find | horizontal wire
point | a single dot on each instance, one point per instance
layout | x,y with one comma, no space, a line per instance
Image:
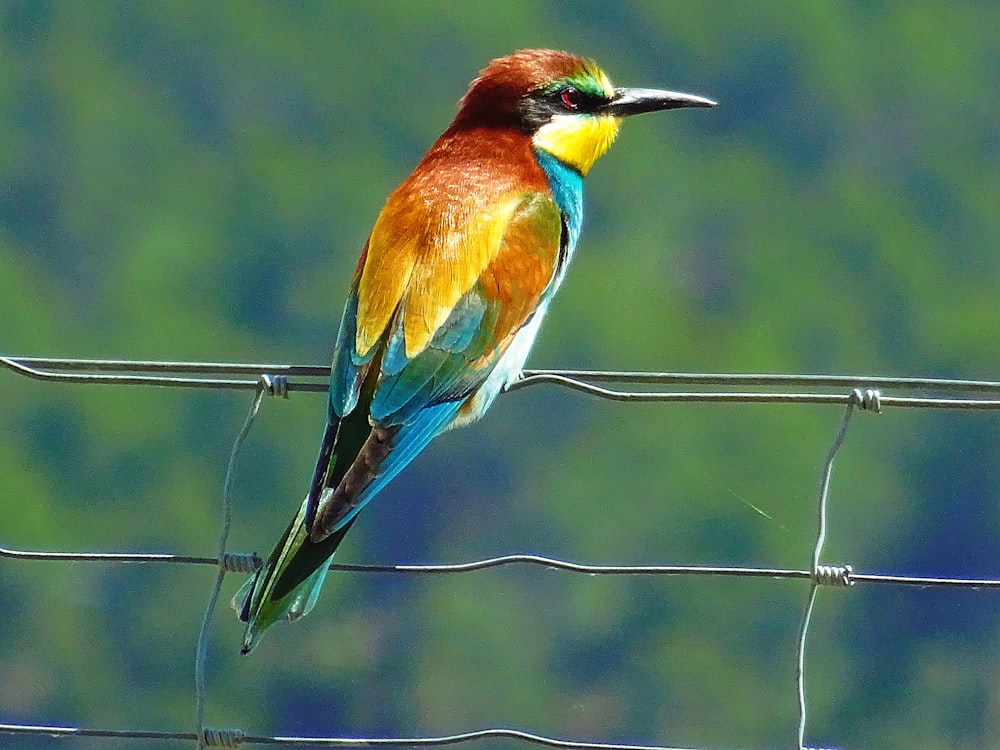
132,734
136,372
149,365
841,399
119,557
571,567
970,583
236,738
518,559
619,376
761,379
29,367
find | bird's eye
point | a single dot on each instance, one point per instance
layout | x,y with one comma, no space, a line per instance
571,97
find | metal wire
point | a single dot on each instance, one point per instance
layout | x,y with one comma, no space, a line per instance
205,739
518,559
234,738
208,375
866,401
865,394
213,737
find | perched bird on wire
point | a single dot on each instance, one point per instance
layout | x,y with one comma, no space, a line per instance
449,293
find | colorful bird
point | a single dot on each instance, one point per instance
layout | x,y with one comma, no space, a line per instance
449,293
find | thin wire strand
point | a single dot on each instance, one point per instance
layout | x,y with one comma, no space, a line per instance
619,376
111,557
288,741
87,377
824,491
505,560
137,372
767,379
579,382
201,689
62,731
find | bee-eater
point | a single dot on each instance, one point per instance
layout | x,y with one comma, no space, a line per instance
449,293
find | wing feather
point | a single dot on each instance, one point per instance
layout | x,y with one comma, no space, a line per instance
462,292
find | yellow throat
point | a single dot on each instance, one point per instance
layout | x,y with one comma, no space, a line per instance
577,140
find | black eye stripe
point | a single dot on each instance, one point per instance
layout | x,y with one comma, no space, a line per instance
539,107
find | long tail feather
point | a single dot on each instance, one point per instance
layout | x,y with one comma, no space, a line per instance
288,583
355,461
322,469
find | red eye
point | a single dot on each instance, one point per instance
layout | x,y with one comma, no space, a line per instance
571,97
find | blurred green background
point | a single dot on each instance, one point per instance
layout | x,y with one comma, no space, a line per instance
189,180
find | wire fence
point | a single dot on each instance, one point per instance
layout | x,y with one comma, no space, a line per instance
853,392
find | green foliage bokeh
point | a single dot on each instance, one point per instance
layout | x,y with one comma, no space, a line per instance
195,180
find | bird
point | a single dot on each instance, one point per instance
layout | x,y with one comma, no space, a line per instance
448,295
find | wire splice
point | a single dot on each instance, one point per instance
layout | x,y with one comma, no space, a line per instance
833,575
241,562
216,737
274,385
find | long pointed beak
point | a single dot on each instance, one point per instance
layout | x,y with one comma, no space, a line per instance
636,101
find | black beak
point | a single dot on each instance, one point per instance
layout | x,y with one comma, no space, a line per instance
636,101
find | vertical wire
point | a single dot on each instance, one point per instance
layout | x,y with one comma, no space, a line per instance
824,492
227,518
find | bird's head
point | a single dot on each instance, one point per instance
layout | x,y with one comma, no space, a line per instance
564,103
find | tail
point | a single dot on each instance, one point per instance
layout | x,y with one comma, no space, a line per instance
356,460
288,584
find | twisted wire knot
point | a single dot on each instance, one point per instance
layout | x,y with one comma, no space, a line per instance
833,575
274,385
869,399
241,562
211,737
